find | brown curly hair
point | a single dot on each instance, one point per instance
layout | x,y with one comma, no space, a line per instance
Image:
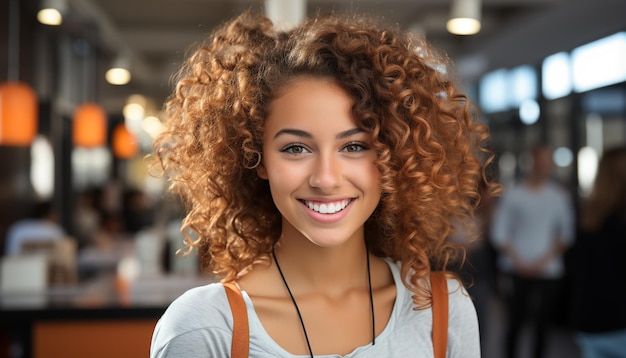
431,153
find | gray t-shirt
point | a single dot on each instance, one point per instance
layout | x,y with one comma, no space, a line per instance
199,324
531,220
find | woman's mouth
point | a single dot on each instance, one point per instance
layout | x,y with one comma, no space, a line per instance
332,207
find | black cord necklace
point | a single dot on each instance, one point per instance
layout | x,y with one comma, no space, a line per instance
369,283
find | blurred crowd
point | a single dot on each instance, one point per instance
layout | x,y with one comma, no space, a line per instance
553,259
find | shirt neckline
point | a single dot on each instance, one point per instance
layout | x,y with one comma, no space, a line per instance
274,347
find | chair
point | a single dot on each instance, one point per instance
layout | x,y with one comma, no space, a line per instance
61,259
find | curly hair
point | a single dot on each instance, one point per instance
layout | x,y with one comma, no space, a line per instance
431,153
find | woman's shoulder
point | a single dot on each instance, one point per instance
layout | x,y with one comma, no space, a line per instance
455,286
459,300
458,297
199,315
414,325
211,289
198,308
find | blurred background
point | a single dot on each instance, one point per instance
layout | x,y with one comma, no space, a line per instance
82,89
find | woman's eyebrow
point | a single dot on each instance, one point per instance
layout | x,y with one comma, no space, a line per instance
296,132
349,133
301,133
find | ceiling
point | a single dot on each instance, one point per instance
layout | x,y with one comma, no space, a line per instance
156,33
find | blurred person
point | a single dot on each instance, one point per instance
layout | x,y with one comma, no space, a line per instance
598,312
533,226
87,218
138,210
111,231
40,226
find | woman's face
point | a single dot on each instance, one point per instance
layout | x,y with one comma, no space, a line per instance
319,164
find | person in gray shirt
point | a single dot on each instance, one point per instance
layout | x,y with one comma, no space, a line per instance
532,228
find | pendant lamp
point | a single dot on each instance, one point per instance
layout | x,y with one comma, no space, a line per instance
119,73
464,17
18,114
18,101
124,142
51,12
89,129
285,14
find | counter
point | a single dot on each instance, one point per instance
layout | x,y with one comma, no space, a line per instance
100,318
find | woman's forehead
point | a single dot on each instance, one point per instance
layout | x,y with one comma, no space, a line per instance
308,103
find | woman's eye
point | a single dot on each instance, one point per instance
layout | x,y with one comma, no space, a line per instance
294,149
354,147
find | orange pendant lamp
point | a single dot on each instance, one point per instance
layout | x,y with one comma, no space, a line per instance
89,127
124,142
18,101
18,114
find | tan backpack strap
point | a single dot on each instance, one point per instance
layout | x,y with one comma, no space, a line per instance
241,333
439,287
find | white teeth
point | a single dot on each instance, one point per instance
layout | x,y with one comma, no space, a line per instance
330,208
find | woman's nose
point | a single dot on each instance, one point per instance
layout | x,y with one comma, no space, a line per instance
326,173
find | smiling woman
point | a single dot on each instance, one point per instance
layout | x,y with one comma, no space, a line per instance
321,167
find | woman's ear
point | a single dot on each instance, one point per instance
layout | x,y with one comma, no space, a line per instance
261,171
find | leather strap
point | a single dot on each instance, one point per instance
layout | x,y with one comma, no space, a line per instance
240,345
439,287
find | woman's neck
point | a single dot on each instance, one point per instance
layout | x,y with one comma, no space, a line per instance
312,268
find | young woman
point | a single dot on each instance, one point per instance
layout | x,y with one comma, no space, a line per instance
321,168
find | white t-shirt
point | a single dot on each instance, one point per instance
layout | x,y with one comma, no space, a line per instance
199,324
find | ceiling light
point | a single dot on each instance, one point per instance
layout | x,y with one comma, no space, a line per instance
285,13
51,12
119,73
118,76
152,125
464,17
